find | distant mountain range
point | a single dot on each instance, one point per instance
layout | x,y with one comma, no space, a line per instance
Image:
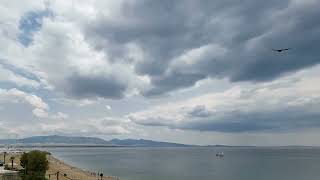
54,140
71,140
143,142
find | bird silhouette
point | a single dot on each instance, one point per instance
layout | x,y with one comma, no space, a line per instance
281,50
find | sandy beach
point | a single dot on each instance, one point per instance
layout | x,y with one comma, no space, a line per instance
66,171
56,165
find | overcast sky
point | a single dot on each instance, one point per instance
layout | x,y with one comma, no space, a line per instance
198,72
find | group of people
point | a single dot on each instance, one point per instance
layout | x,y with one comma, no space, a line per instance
96,174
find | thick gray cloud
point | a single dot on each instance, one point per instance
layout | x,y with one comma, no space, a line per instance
95,86
169,83
246,30
278,120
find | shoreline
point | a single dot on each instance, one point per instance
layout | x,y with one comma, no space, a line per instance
66,171
57,165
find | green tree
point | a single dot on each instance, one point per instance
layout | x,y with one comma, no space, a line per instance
24,161
35,164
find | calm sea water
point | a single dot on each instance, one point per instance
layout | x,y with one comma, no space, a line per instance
197,163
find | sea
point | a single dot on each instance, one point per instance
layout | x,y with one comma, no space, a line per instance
196,163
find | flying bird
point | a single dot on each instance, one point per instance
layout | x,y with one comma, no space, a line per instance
281,50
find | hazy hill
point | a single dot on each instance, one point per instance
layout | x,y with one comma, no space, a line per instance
71,140
143,142
62,139
54,140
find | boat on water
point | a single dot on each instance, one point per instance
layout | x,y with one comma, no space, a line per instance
220,154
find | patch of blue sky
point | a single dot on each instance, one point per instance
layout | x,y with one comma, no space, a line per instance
29,23
20,71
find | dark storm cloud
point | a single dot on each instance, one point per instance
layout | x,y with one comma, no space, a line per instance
172,82
92,86
248,30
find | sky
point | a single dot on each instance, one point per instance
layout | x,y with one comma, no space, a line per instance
195,72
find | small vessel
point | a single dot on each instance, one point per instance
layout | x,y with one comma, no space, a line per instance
220,154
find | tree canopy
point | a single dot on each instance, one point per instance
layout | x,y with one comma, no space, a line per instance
35,164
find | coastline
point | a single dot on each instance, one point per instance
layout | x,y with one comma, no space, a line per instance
57,165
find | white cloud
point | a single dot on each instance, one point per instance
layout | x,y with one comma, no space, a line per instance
244,108
108,107
75,102
60,116
89,127
15,96
40,113
41,108
36,102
